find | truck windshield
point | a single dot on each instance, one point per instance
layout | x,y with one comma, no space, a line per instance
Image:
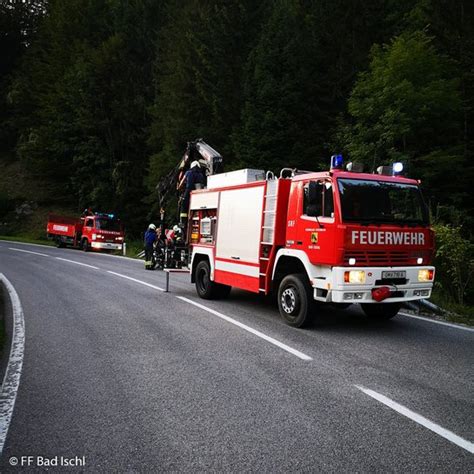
108,224
381,202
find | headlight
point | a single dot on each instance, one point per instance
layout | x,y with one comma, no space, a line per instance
94,236
354,276
119,238
425,275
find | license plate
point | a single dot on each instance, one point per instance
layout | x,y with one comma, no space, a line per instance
401,274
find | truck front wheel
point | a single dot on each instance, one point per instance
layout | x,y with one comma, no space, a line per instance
295,300
205,287
381,311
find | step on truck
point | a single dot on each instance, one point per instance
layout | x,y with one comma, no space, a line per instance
95,231
337,237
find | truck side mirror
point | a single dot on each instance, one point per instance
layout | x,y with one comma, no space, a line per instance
313,199
314,192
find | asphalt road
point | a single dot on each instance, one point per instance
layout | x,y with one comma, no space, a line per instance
135,379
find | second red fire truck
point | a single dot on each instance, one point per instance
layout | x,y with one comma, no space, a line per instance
94,231
336,237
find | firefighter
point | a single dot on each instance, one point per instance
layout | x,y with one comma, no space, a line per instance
150,239
192,179
87,212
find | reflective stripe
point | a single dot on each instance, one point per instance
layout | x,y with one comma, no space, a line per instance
235,267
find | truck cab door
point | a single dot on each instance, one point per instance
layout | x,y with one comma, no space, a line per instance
88,227
316,227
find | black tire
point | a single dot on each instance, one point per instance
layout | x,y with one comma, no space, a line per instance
85,245
59,243
381,311
295,300
222,291
205,287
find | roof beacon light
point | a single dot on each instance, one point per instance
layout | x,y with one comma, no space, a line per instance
397,168
355,167
337,162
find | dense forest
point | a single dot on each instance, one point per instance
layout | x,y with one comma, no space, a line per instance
99,97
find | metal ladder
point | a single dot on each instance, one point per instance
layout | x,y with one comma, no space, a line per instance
267,236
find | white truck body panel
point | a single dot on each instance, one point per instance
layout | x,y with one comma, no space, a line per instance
234,178
204,201
240,224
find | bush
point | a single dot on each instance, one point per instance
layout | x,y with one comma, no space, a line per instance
454,260
6,205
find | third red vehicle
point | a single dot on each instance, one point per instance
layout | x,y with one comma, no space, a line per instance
97,231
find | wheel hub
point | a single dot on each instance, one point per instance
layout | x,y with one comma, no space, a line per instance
288,300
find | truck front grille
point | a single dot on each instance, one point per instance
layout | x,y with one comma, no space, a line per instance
380,258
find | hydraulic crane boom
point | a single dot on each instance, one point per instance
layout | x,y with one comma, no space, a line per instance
211,162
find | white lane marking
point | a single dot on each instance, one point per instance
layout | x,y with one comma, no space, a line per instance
435,321
449,435
137,281
29,251
120,257
26,243
11,380
77,263
54,248
249,329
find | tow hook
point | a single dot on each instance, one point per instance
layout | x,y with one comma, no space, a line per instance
379,294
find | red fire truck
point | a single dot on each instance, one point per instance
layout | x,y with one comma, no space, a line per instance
336,237
96,231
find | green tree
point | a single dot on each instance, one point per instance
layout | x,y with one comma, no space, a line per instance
18,23
82,97
198,78
299,74
405,105
454,263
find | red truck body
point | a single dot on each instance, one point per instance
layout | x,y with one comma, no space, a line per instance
92,232
334,237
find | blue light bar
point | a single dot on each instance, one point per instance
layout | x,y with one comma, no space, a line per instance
337,162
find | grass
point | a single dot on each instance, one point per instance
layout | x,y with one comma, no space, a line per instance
27,239
134,247
455,312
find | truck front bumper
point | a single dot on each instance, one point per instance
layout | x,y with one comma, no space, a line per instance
338,291
106,246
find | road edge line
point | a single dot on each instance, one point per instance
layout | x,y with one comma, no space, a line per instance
55,248
29,251
135,280
249,329
11,380
435,321
421,420
77,263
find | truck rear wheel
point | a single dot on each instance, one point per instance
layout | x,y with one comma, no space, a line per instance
295,300
381,311
205,287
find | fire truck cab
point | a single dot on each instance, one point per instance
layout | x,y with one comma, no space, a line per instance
336,237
